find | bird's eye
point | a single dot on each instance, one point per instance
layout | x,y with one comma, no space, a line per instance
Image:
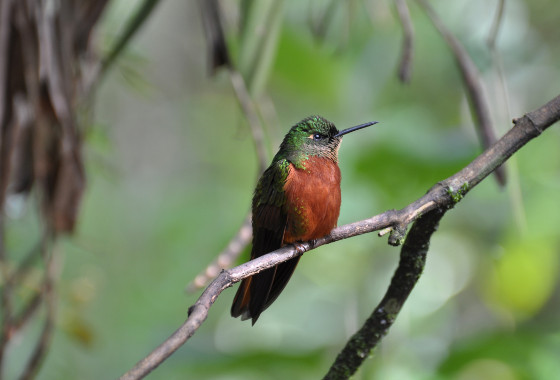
318,136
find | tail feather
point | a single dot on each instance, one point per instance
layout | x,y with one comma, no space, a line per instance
257,293
240,305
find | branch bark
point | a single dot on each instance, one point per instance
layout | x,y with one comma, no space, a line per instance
440,197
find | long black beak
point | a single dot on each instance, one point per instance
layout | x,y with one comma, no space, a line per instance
352,129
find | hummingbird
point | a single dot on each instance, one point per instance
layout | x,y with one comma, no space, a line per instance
296,199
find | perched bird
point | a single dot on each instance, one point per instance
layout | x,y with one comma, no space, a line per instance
296,199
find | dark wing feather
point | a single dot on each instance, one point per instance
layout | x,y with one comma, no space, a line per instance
256,293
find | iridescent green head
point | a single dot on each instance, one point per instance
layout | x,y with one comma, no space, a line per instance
313,136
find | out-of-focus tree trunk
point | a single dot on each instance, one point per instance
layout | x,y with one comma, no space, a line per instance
47,67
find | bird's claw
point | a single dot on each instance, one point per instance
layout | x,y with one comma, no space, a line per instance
300,248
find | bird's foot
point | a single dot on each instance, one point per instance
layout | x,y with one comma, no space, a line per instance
300,248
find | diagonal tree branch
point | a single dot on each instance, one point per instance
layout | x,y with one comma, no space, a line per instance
411,266
441,196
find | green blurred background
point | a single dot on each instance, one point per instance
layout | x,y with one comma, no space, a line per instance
171,168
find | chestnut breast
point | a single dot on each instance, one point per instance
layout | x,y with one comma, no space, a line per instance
312,200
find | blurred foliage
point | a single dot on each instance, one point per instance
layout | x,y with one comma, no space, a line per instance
171,169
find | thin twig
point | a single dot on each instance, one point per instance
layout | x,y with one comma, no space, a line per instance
28,311
25,264
250,111
218,52
515,192
493,35
48,294
473,85
219,56
442,195
320,27
514,186
133,25
405,66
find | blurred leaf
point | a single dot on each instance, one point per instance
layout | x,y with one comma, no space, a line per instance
133,76
304,67
258,365
80,331
523,278
502,356
487,369
97,137
401,169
